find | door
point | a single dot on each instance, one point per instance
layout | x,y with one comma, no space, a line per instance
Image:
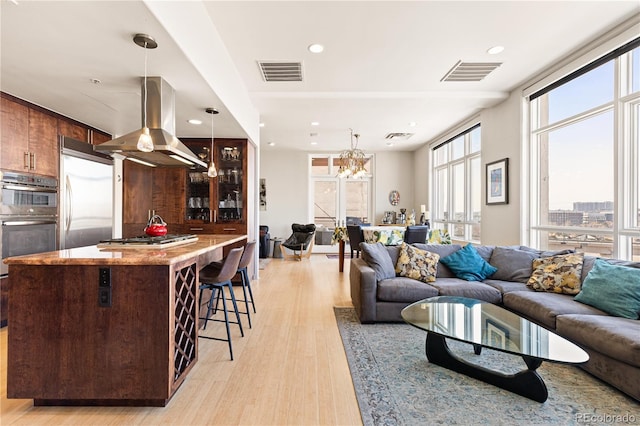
86,209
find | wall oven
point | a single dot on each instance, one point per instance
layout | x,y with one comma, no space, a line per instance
28,215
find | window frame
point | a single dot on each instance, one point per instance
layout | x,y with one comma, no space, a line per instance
625,107
448,167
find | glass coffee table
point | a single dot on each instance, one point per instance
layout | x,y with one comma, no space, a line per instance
485,325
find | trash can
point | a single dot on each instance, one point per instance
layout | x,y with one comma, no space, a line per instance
277,250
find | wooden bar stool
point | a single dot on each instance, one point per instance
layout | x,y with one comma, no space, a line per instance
217,280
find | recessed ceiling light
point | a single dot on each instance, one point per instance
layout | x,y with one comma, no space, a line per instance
314,143
315,48
389,143
315,123
412,124
261,124
94,80
195,121
272,143
495,50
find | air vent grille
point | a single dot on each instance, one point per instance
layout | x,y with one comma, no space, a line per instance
398,136
470,71
281,71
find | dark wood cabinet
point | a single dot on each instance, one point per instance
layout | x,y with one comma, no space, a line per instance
217,205
148,191
43,144
97,137
29,140
73,130
14,149
30,136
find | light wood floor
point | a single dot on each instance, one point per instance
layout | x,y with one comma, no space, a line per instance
290,368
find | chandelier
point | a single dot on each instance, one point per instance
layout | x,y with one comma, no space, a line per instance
352,161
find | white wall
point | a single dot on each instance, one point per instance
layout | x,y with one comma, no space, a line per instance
393,171
501,138
286,174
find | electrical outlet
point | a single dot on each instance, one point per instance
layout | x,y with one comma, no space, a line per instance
104,288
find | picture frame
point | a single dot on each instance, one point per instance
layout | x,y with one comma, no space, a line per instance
496,334
497,177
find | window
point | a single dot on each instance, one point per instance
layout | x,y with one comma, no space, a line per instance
338,200
456,185
585,154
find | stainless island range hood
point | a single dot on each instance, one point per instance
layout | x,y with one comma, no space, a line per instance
168,151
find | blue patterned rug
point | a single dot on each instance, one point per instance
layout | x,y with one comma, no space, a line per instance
396,385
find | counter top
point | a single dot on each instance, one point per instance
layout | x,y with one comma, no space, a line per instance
92,255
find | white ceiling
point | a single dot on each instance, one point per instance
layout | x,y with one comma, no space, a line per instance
381,68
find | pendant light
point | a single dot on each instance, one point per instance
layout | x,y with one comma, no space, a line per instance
145,143
211,171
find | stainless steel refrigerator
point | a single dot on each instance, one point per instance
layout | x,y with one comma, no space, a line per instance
86,195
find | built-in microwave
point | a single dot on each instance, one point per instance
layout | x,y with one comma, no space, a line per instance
23,194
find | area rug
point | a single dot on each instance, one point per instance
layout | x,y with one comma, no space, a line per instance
396,385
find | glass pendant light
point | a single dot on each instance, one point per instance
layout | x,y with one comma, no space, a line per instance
145,143
211,171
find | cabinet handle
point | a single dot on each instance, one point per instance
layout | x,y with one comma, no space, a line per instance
215,216
228,229
25,160
196,229
33,161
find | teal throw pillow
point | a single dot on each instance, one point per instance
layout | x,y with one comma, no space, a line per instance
613,289
468,265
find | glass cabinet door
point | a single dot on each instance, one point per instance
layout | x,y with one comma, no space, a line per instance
230,188
198,193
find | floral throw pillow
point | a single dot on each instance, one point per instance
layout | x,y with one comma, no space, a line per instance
557,274
417,264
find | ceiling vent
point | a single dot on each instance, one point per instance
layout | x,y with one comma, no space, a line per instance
470,71
398,136
281,71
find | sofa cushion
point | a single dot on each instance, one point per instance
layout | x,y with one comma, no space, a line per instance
443,250
589,261
417,264
485,252
506,286
378,259
468,265
513,264
463,288
614,289
401,289
612,336
557,274
544,307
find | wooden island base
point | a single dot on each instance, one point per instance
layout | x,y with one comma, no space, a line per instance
92,330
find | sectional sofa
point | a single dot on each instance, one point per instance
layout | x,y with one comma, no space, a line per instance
379,294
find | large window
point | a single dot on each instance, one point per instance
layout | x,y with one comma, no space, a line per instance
456,186
338,200
585,154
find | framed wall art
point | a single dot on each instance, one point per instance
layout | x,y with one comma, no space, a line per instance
498,182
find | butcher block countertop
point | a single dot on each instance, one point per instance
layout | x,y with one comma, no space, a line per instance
94,255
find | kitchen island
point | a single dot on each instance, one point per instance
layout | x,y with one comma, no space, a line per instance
106,326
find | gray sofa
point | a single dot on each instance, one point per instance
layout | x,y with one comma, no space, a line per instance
613,343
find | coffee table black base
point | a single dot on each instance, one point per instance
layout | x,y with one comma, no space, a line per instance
526,382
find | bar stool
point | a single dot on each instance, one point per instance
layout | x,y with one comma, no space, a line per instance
247,255
217,280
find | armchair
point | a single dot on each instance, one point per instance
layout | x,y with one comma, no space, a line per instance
300,241
416,234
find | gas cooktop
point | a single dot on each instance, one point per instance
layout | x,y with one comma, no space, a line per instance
145,240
